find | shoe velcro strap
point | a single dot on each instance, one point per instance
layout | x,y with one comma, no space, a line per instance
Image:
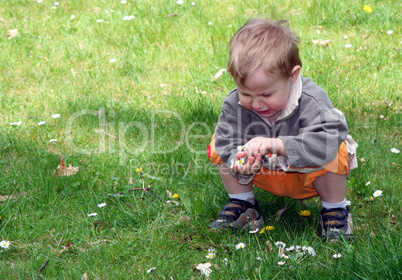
232,210
228,214
334,223
334,214
232,205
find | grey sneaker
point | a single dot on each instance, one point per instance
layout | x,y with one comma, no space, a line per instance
335,223
239,215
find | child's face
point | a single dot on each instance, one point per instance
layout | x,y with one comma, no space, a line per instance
266,94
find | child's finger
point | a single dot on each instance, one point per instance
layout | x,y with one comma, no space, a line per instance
240,155
257,164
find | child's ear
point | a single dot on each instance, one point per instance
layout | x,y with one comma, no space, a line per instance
294,73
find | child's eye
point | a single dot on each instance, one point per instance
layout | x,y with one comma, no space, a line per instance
266,95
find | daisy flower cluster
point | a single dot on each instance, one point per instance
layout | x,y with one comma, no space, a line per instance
293,252
41,123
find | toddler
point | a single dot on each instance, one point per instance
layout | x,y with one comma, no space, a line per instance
280,132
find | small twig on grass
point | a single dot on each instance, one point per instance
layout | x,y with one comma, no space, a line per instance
139,189
146,191
116,194
43,266
154,193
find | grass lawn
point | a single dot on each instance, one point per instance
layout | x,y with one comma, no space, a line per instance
125,90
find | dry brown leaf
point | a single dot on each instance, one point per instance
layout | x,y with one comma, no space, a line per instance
269,246
12,33
321,42
280,212
169,194
14,196
71,170
61,169
204,268
84,277
281,251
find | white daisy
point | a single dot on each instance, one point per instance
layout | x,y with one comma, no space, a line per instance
101,205
280,244
4,244
348,46
291,248
348,202
41,123
389,32
151,269
281,263
395,150
16,123
128,17
56,116
337,256
99,20
210,255
92,214
179,2
53,140
241,245
113,60
311,251
176,203
254,231
377,193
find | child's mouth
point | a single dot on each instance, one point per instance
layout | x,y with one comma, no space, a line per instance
264,112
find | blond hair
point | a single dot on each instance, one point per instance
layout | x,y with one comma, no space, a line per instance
271,45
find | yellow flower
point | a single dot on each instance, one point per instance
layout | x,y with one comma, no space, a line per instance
267,228
305,213
175,195
371,198
139,170
367,8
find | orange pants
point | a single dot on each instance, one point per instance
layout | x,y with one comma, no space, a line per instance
291,184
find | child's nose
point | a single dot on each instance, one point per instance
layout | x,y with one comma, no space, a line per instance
257,105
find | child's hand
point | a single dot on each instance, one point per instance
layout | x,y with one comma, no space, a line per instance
263,146
251,166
